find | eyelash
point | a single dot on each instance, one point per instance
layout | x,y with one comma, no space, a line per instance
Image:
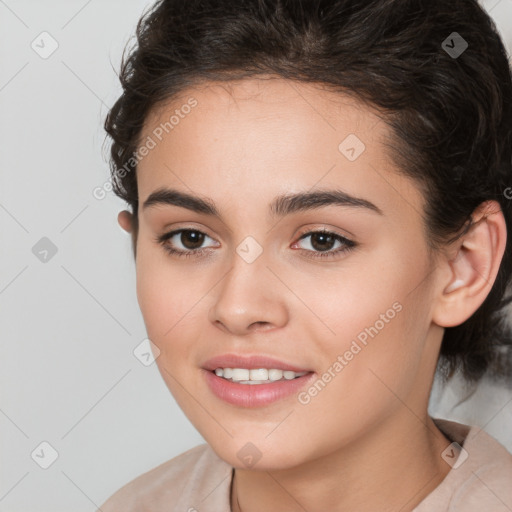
348,244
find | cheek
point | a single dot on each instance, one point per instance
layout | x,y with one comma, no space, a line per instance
376,320
362,382
166,293
360,297
171,307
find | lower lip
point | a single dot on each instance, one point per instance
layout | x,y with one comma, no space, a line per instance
254,395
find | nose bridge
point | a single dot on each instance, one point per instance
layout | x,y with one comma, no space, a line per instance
247,276
249,262
246,296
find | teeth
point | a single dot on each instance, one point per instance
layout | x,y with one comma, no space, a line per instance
240,374
256,376
275,374
260,374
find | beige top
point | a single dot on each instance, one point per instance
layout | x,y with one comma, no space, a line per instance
199,481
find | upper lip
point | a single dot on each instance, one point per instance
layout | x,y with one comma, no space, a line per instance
250,362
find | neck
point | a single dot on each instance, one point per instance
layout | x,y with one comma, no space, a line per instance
394,467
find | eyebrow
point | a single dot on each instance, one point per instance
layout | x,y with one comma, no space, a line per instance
281,205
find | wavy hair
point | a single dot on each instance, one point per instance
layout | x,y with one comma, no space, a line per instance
449,107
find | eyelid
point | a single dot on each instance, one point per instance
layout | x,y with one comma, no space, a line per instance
328,229
167,229
173,232
347,243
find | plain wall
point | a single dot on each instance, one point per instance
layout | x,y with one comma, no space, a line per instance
71,322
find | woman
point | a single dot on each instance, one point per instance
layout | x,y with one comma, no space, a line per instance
319,217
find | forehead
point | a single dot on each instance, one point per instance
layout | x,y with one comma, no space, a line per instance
259,133
267,103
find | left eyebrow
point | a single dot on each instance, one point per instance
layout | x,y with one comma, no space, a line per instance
281,206
305,201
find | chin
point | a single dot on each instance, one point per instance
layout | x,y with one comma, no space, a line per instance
242,453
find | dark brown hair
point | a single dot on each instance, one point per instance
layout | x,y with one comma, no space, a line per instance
437,72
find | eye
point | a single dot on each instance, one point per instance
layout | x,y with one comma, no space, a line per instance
321,244
190,240
324,241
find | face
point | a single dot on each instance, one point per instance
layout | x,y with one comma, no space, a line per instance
338,286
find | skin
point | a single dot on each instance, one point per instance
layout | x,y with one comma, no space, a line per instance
365,442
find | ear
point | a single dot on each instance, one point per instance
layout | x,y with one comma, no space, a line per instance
472,266
125,220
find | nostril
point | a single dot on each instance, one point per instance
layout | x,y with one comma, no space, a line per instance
258,325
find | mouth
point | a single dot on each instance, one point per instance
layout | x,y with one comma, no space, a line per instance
257,376
254,381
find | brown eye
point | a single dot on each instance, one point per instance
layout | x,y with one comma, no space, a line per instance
192,239
184,242
323,242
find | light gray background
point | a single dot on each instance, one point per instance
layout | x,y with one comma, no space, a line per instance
70,325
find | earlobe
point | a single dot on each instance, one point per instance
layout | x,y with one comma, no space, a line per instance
125,220
474,269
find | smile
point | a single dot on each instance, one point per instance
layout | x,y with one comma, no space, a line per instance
256,375
262,392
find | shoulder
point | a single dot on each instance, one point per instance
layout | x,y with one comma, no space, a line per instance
181,481
488,477
481,474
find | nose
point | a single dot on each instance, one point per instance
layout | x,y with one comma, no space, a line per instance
248,298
